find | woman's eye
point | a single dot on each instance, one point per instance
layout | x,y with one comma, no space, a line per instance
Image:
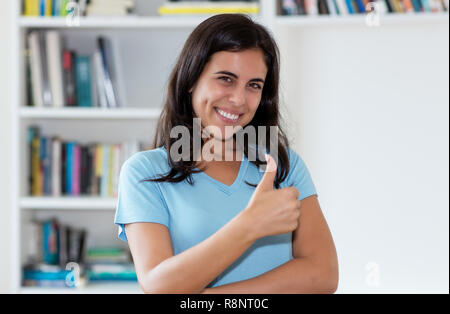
256,86
225,78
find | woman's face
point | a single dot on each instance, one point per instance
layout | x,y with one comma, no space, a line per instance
229,90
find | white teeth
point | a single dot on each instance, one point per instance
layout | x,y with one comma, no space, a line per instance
228,115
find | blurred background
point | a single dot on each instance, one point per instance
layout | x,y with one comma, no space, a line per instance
364,93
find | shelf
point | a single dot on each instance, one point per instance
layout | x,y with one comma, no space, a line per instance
360,19
93,288
113,22
89,113
68,203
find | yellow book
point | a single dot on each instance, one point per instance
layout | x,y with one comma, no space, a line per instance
31,8
48,7
398,6
110,171
98,160
206,7
174,11
36,189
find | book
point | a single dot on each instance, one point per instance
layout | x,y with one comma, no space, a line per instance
332,7
47,96
69,78
207,7
69,166
107,7
360,6
36,69
31,8
322,6
83,80
99,76
56,166
342,6
289,7
55,73
36,165
76,184
110,86
50,244
32,133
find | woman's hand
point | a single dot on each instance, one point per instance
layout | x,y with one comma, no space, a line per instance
270,211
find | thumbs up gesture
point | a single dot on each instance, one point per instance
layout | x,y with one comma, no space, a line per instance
272,211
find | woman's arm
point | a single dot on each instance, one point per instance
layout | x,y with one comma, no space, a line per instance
314,268
159,271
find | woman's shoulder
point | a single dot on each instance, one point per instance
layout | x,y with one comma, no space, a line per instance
148,162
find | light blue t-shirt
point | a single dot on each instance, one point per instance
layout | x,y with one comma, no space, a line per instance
193,213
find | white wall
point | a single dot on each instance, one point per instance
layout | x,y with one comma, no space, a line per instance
371,106
5,148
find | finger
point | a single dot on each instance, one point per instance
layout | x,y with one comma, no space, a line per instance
267,180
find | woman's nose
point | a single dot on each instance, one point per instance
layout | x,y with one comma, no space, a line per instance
237,96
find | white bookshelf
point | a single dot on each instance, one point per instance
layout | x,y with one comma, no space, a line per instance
145,67
68,203
360,19
89,113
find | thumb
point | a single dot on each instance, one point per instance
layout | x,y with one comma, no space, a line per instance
267,180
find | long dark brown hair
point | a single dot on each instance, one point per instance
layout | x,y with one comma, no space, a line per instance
223,32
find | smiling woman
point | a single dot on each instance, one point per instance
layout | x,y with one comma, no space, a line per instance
192,225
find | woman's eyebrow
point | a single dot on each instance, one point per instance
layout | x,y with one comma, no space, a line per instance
257,79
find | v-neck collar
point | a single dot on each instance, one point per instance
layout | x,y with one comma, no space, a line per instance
229,189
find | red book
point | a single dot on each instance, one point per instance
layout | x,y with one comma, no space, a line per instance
76,170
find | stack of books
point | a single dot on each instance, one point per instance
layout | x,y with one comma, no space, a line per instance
57,256
69,168
58,77
77,7
51,247
109,264
193,7
346,7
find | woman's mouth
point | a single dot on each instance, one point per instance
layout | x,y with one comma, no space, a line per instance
227,117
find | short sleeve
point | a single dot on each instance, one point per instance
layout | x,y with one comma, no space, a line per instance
299,176
138,200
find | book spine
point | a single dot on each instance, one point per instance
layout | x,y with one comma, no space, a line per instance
54,53
31,8
83,81
47,167
342,7
47,96
105,171
98,168
426,5
116,169
360,6
69,166
99,78
63,169
48,8
69,77
36,69
30,140
332,7
56,166
76,171
107,63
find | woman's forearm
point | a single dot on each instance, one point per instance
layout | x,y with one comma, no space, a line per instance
192,270
300,275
